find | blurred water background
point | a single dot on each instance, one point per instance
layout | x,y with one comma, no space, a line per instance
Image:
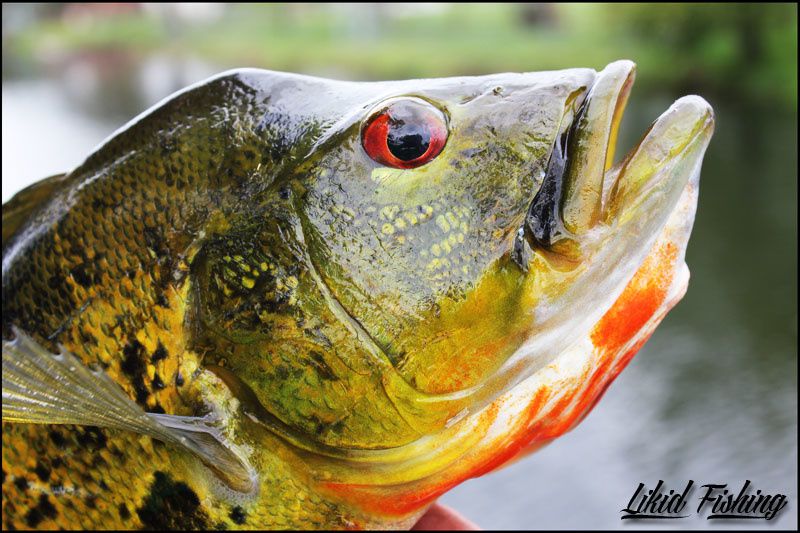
713,396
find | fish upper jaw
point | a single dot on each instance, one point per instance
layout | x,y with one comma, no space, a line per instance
605,217
584,193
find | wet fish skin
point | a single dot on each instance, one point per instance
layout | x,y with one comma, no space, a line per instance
235,252
103,268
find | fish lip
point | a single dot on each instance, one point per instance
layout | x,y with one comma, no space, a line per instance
681,133
639,194
542,225
653,169
580,176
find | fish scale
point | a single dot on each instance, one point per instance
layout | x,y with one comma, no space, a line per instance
293,331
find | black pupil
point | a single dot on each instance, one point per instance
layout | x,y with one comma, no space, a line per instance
408,140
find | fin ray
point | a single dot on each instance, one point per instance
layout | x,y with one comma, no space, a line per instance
44,388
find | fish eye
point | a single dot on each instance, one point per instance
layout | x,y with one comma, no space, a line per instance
404,133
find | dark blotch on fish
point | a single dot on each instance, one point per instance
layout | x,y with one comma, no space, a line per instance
162,301
171,505
44,509
238,515
21,483
91,437
91,501
124,513
82,276
159,354
323,370
42,471
58,439
133,365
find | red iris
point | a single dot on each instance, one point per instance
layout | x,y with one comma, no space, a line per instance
406,134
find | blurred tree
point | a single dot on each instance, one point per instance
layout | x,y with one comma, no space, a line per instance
538,14
748,49
734,50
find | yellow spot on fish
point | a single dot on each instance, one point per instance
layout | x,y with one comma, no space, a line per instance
348,213
452,219
460,237
442,223
400,223
263,266
248,283
387,229
389,212
435,250
292,282
146,443
412,218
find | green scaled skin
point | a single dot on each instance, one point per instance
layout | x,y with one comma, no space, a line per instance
236,252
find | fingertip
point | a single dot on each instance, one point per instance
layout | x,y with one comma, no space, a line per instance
440,518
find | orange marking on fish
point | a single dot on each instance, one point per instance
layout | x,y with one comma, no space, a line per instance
643,295
385,500
637,304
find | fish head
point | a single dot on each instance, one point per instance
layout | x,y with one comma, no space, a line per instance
418,248
387,288
456,220
476,242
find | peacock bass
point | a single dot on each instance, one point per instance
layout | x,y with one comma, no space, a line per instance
280,301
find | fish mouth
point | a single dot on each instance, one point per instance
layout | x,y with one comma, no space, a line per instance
588,229
583,188
593,222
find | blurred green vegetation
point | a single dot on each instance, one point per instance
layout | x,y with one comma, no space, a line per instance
737,50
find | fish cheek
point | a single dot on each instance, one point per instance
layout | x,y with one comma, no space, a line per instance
241,279
402,239
396,247
258,311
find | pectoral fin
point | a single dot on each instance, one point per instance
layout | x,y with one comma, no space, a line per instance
44,388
